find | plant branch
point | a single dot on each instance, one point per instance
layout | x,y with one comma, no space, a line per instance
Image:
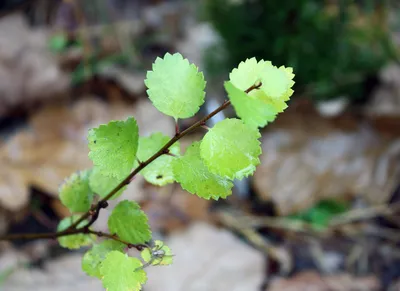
94,211
32,236
139,247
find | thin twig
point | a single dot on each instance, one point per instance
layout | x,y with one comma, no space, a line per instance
139,247
278,253
95,214
32,236
171,154
365,213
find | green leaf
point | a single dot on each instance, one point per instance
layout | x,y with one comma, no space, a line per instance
159,172
160,254
276,82
91,261
129,223
194,176
122,273
231,149
75,192
320,214
103,185
276,88
113,147
175,86
252,111
93,65
248,73
58,42
74,241
5,274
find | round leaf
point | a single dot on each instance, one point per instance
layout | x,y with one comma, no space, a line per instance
159,172
75,192
194,176
252,111
275,82
129,223
74,241
122,273
248,73
91,261
175,86
231,149
113,147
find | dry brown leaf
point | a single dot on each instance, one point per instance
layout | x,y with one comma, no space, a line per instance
312,281
13,192
307,158
28,71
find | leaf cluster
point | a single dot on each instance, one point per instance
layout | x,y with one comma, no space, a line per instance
207,168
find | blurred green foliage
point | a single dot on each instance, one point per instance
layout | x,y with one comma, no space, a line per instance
334,49
91,65
58,43
320,214
94,65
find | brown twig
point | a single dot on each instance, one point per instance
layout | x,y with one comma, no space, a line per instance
233,221
31,236
96,208
365,213
139,247
96,213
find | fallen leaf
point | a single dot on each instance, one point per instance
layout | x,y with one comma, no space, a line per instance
307,158
312,281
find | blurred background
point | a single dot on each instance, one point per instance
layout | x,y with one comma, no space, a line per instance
321,212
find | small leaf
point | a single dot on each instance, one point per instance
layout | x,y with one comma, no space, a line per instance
74,241
231,149
91,261
75,192
113,147
320,214
248,73
58,42
129,223
275,82
122,273
103,185
159,172
175,86
194,176
252,111
162,254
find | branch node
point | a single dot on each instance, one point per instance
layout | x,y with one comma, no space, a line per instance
103,204
139,162
141,247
